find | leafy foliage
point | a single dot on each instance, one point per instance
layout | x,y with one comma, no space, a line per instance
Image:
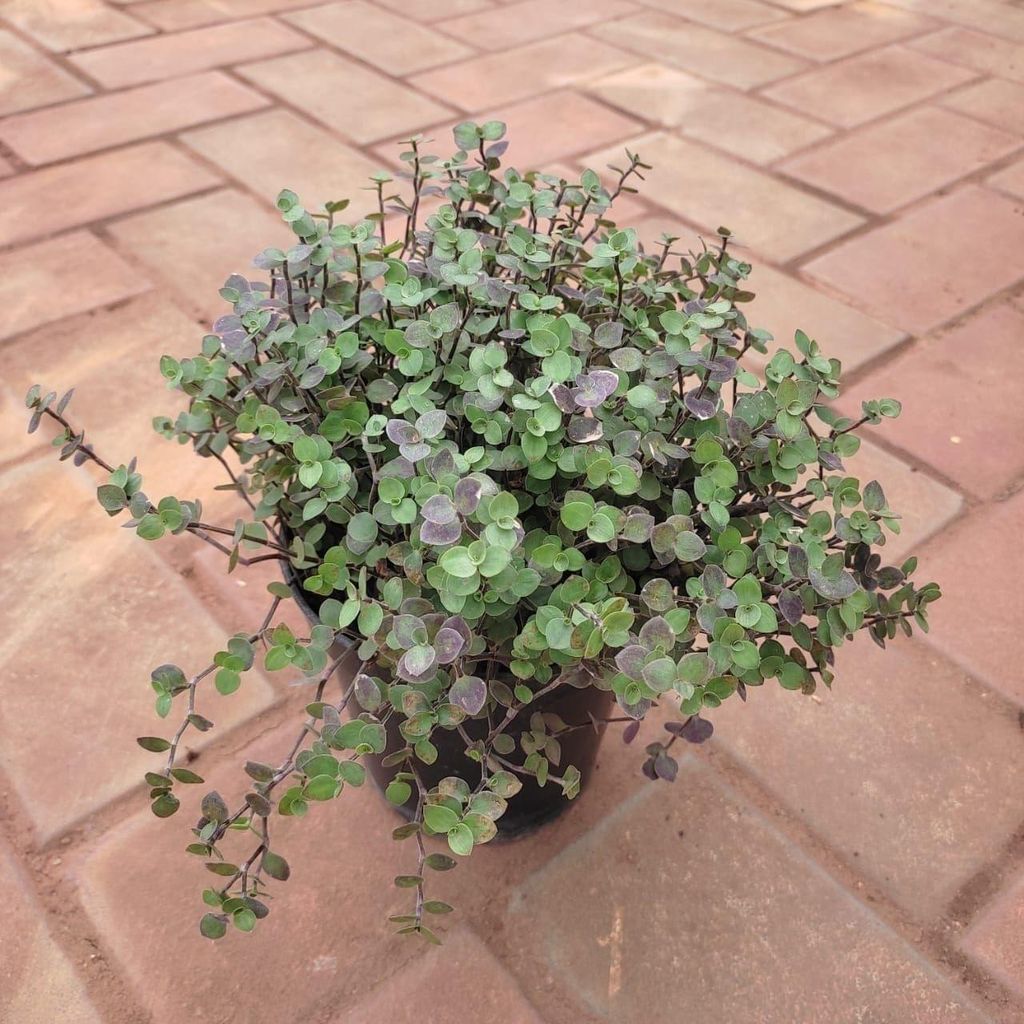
507,451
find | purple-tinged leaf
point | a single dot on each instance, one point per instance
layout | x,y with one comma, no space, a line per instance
562,397
791,606
702,408
431,423
468,693
583,429
439,509
594,387
608,335
665,766
448,644
401,432
414,452
468,492
440,534
630,660
836,588
370,302
830,461
630,732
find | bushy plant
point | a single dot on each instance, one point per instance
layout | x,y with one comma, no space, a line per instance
506,451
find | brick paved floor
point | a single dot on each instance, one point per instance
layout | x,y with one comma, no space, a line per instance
856,857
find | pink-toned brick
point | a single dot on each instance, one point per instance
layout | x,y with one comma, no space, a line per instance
38,984
962,247
748,924
744,125
994,101
435,10
525,71
1010,180
918,158
175,15
106,612
42,136
858,89
468,974
704,51
313,81
92,275
978,619
93,189
32,80
959,392
519,23
390,41
728,15
977,50
60,25
340,948
275,150
180,53
893,768
709,189
834,32
994,940
1007,20
185,244
112,359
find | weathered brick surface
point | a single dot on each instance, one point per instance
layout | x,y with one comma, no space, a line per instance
964,246
56,133
979,617
869,85
90,670
918,158
167,55
68,195
101,277
697,48
893,768
37,983
748,925
705,188
32,80
870,150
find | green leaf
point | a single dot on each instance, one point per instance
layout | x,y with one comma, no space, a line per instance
153,743
460,840
275,866
213,926
439,818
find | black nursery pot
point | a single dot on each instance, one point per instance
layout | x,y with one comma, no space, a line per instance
533,805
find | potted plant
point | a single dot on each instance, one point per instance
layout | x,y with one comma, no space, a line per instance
511,464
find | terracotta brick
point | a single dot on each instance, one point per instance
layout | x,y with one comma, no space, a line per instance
90,273
999,57
111,358
925,505
95,188
341,948
1006,19
918,158
858,89
784,304
166,56
740,124
42,136
1010,180
893,768
435,10
109,587
709,189
469,975
960,244
522,72
30,79
518,23
995,939
314,80
978,619
60,26
391,42
801,6
697,48
993,100
276,150
38,984
746,905
175,15
197,244
728,15
548,128
834,32
959,387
